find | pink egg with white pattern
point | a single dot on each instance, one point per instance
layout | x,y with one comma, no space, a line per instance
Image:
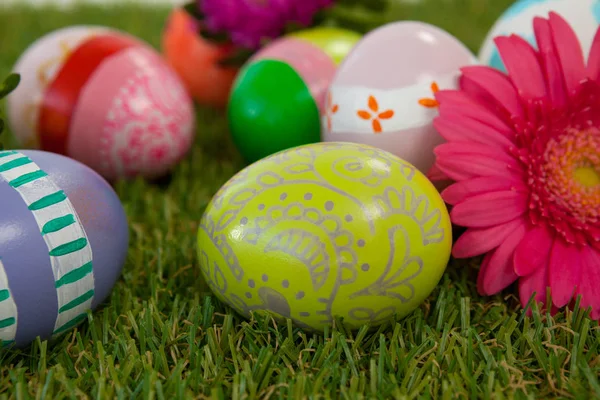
109,101
383,93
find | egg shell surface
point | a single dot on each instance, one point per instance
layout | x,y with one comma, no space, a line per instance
196,60
582,15
63,242
335,42
383,92
277,98
326,230
116,106
38,66
134,117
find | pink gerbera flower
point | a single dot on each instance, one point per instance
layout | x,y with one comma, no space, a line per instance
523,150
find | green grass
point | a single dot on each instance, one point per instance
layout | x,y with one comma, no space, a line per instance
160,335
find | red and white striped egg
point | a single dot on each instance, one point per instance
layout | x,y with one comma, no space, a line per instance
104,98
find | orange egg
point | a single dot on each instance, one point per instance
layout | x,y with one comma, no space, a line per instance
196,60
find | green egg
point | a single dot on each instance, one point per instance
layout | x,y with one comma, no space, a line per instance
266,97
276,99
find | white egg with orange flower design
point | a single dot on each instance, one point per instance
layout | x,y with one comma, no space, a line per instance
383,92
104,98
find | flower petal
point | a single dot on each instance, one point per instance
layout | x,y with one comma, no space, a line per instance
458,129
593,67
481,275
376,126
498,85
454,149
489,209
363,114
550,62
459,191
476,241
594,232
461,167
435,174
454,103
534,251
523,68
565,272
466,166
570,54
589,287
535,283
500,271
373,105
482,97
387,114
469,160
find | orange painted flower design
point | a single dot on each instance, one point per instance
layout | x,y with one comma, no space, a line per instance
429,102
330,109
374,115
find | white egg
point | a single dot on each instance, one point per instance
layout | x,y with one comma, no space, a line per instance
582,15
385,99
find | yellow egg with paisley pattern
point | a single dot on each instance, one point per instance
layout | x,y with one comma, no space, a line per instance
326,230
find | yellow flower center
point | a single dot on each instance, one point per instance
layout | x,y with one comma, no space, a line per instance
587,176
572,173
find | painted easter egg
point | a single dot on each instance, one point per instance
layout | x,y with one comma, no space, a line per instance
385,99
277,98
582,15
196,60
63,243
103,98
326,230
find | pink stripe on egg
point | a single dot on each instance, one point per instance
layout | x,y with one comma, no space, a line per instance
134,116
314,66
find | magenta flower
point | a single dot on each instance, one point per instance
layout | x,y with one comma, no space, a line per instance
524,152
249,22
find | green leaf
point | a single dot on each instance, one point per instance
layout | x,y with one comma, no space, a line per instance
380,6
215,37
292,27
193,10
10,84
1,129
238,58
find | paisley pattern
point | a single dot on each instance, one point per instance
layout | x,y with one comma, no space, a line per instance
147,126
495,59
326,230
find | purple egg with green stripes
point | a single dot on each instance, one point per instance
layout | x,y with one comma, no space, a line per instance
63,242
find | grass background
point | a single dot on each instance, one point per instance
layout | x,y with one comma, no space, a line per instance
161,336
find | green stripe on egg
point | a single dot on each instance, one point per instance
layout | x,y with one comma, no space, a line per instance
8,310
68,247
